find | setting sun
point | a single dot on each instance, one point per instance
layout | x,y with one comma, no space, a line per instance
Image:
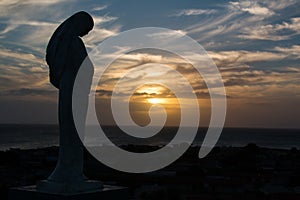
156,100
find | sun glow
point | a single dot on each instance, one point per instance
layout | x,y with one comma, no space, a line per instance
155,100
151,89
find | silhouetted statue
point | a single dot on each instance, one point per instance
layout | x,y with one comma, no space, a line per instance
65,54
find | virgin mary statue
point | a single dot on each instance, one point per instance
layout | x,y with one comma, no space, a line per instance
64,55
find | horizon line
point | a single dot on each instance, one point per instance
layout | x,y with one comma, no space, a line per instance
107,125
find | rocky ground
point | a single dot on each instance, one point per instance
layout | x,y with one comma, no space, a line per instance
248,172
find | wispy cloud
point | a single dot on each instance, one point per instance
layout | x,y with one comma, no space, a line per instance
168,34
27,27
98,8
16,77
193,12
275,32
260,7
223,57
252,7
28,92
24,57
26,2
35,20
292,52
247,20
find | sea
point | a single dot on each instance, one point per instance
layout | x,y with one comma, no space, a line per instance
40,136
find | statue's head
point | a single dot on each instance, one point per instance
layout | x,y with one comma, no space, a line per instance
82,23
77,25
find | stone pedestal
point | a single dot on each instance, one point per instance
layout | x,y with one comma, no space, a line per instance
106,193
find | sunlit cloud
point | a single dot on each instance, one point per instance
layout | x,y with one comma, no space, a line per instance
24,57
235,67
168,35
260,7
252,7
225,57
252,42
27,27
292,52
13,78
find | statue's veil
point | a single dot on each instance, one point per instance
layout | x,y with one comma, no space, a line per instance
56,53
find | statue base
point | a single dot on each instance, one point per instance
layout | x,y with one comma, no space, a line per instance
68,187
32,193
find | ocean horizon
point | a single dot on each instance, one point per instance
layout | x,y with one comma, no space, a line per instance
33,136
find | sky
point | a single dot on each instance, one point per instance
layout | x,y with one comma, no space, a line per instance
254,43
